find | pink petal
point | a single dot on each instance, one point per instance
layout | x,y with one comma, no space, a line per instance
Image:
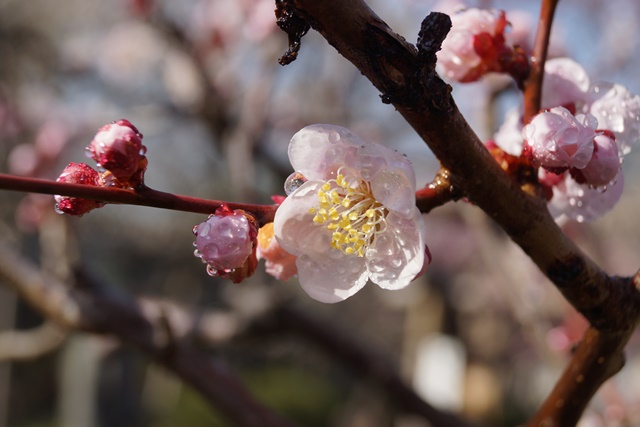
565,82
293,223
331,276
317,151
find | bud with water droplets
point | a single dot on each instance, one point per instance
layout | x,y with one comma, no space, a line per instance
604,165
78,173
117,148
226,242
558,140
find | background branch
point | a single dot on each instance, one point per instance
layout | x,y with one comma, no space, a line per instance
93,308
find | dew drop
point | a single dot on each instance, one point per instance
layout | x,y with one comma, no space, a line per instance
57,209
293,182
211,271
396,262
334,137
197,253
580,218
87,153
195,230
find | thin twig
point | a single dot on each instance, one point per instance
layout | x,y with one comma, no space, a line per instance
141,197
437,193
533,84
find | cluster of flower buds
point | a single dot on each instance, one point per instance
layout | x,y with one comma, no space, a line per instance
120,156
226,242
579,140
477,44
559,142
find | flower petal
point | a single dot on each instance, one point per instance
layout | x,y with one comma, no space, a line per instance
331,276
317,151
392,189
398,254
293,220
565,82
582,203
617,110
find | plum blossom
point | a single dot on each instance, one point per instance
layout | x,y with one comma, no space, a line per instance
354,218
78,173
557,139
567,84
581,202
617,110
226,243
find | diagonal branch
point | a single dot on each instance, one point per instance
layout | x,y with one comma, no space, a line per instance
406,80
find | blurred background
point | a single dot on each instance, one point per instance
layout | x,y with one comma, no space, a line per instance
483,333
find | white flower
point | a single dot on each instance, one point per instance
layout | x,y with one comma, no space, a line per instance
354,219
584,203
565,83
617,110
509,136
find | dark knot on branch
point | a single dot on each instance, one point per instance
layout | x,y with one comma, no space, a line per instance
433,31
294,25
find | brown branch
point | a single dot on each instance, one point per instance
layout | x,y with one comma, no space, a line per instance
533,84
141,197
92,308
612,305
597,358
437,193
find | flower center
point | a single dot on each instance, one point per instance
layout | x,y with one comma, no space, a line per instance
348,208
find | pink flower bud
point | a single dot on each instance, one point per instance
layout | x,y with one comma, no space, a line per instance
604,165
78,173
558,140
458,56
117,147
226,242
278,262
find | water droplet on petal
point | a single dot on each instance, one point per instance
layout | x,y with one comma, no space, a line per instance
293,182
57,209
